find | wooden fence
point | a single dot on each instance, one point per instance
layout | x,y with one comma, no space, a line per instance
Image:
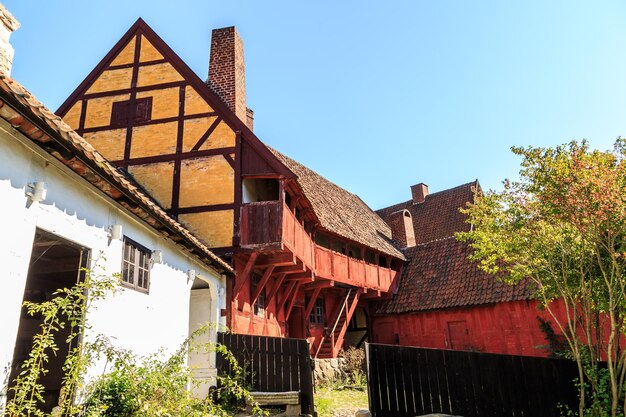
273,364
405,381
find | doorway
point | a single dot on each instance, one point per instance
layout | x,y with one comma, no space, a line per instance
55,263
357,332
199,360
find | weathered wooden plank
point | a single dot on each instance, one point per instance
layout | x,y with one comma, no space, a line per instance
306,379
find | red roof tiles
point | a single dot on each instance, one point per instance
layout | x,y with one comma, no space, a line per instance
438,216
340,211
439,275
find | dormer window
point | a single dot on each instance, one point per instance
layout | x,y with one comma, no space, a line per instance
121,112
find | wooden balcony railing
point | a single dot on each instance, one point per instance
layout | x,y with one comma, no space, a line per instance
271,225
341,268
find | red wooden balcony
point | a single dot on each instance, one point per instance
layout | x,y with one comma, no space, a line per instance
269,226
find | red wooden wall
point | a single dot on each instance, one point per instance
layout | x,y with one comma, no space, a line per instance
509,328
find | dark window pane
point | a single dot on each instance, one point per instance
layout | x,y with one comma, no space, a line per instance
136,265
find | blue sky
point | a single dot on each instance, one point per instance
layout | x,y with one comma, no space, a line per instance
376,96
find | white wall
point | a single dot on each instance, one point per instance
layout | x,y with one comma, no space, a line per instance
76,211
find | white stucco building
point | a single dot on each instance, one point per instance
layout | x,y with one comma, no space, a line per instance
64,206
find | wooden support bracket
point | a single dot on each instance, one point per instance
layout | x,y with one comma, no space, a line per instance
278,282
245,274
262,283
318,284
309,307
285,295
294,297
281,259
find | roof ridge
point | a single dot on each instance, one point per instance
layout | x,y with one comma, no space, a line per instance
441,239
430,194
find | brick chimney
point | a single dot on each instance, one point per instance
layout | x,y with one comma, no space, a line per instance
419,192
8,24
402,231
227,71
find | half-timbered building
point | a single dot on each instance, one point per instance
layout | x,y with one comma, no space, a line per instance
66,210
309,256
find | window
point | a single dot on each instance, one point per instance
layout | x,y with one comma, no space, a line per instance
135,266
259,304
121,111
318,314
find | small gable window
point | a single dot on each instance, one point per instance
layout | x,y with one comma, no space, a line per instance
135,266
121,112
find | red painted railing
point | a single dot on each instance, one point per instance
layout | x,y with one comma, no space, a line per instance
272,224
297,239
341,268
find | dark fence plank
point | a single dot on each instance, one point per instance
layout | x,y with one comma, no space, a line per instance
272,364
405,381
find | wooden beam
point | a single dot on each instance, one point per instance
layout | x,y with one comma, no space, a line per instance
281,259
371,295
303,276
309,307
245,274
319,284
261,286
294,269
285,295
294,296
278,282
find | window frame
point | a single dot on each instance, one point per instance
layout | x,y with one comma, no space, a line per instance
318,312
138,249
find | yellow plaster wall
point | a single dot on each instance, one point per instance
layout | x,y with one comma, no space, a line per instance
214,228
157,179
206,181
110,143
127,55
112,80
157,74
164,102
156,139
99,110
148,51
194,103
72,117
221,137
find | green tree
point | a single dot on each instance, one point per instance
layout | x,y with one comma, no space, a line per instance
562,226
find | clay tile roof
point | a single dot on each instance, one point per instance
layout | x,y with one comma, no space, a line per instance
439,275
438,216
34,120
340,211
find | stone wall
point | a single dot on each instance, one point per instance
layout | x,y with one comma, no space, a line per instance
328,370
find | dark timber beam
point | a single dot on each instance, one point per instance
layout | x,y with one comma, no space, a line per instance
278,282
299,267
294,297
312,300
262,283
245,274
319,284
304,276
282,259
285,295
